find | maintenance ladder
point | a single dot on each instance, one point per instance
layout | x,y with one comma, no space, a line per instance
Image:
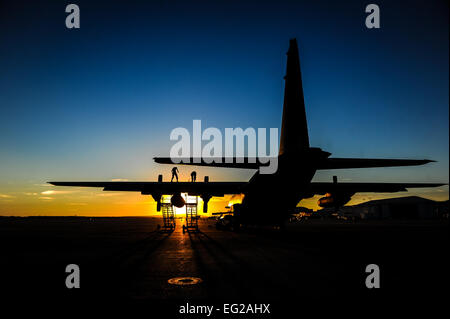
168,216
191,214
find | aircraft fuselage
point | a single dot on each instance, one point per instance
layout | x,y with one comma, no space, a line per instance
271,198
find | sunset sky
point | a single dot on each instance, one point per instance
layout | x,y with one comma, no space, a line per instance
99,103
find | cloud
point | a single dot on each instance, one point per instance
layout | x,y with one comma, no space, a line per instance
6,196
46,198
30,194
77,204
109,194
119,180
52,192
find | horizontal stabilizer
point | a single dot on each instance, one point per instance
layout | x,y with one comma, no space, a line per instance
229,162
337,163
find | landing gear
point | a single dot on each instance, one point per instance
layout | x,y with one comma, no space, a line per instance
235,227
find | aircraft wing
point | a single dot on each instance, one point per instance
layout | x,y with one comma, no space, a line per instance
323,188
193,188
336,163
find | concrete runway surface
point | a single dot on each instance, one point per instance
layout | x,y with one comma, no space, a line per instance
127,259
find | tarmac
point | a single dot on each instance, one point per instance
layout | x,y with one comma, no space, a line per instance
128,259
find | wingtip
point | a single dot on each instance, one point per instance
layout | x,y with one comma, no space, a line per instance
438,184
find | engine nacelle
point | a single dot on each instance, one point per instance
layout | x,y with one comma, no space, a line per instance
177,200
334,200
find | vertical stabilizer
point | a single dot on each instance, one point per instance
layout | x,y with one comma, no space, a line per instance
294,129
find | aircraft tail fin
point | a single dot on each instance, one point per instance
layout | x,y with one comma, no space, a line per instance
294,128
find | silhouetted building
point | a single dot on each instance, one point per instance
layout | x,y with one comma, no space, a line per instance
412,207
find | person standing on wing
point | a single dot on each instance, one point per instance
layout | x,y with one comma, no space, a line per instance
174,173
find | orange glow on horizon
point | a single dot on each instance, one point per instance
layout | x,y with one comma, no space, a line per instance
235,199
46,200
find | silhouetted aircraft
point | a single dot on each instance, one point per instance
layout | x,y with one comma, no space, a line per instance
270,198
